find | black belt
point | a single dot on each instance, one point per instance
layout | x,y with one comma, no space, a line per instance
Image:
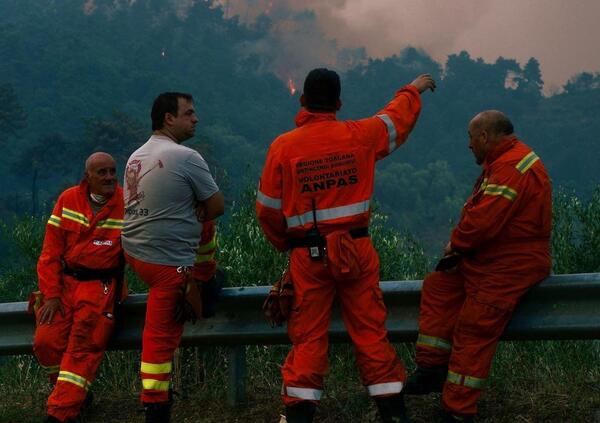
312,242
83,274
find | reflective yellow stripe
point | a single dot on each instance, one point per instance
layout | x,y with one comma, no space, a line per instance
74,379
156,385
526,162
111,224
75,216
51,369
468,381
474,382
156,369
209,246
483,184
434,342
502,190
201,258
54,220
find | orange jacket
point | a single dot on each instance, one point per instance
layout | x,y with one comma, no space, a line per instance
205,265
77,238
511,207
330,163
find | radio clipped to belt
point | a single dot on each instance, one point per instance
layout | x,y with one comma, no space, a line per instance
316,244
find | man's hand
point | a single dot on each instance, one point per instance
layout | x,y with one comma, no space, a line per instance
424,82
49,309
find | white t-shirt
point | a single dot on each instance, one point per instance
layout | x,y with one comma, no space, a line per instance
164,181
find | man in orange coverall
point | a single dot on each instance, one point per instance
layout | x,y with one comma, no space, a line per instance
499,249
168,189
79,271
314,198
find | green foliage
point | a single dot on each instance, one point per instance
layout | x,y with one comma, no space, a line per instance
576,235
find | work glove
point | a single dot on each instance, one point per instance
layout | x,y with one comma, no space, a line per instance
189,308
278,304
211,289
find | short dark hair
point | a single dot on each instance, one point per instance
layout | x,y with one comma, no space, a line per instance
322,89
166,103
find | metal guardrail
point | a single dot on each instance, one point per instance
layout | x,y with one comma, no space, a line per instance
561,307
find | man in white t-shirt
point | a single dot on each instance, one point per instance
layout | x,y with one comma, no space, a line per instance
168,192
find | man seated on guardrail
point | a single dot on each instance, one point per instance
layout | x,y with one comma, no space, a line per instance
314,199
80,274
497,252
169,192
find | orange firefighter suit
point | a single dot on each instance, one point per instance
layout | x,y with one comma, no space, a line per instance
162,332
322,174
80,264
504,239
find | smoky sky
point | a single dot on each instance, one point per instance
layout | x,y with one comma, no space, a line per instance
561,34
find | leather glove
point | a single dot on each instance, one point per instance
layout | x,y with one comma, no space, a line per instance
190,305
278,304
211,289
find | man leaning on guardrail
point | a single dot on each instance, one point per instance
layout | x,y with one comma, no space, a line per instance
497,252
80,273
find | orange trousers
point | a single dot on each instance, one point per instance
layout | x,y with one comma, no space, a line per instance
363,313
463,315
71,347
161,332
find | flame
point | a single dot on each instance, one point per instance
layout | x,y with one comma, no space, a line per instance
291,86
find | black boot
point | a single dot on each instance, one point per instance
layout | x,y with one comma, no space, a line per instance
451,418
88,402
426,380
51,419
302,412
158,412
392,409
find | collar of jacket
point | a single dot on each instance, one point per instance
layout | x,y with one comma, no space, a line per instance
83,192
506,144
304,117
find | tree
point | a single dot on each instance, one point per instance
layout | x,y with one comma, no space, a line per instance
12,116
45,159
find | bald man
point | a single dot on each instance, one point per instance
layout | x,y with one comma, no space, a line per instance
80,272
497,252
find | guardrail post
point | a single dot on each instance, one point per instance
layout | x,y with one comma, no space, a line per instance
236,392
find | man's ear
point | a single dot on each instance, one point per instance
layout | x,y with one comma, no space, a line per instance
338,104
168,118
302,101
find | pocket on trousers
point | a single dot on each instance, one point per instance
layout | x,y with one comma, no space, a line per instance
103,330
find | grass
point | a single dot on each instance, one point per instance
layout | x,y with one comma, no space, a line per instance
547,381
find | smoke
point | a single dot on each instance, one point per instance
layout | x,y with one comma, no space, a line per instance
560,34
342,33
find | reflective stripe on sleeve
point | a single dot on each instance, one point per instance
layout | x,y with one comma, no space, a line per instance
201,258
502,190
204,248
526,162
155,385
392,135
54,220
328,214
156,368
75,216
434,342
303,393
465,380
73,378
111,224
385,388
265,200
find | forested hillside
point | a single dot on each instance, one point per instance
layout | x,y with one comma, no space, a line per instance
74,79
